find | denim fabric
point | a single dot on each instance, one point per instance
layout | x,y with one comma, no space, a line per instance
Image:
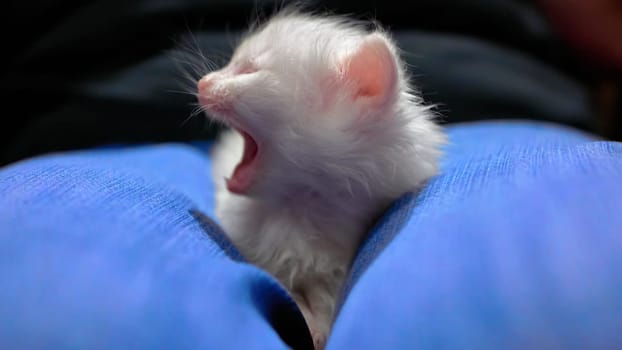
112,249
517,244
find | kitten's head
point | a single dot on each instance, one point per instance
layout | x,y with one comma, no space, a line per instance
319,102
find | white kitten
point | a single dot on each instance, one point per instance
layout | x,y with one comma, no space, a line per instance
329,133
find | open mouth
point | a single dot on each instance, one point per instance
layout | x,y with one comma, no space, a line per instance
246,170
221,109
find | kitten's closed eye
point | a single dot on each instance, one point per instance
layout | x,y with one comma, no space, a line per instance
246,68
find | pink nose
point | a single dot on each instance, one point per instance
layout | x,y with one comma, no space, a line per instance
208,97
204,85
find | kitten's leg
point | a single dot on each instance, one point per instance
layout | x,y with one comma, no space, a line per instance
317,321
316,300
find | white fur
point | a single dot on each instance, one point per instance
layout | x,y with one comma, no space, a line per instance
327,172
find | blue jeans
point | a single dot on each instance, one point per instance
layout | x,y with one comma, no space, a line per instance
517,244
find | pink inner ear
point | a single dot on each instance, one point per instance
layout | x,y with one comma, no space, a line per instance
372,69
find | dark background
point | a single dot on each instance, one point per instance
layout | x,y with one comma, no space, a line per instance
79,74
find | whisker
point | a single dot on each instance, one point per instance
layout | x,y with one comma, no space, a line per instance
195,112
195,94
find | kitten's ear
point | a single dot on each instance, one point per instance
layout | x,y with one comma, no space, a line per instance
372,70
